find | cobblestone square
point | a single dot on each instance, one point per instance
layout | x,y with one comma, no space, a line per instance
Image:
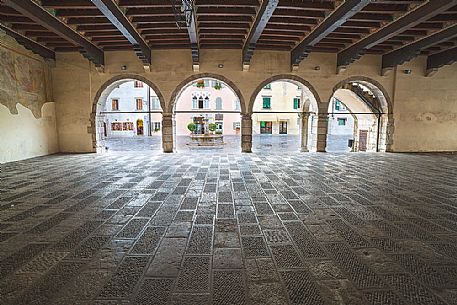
214,227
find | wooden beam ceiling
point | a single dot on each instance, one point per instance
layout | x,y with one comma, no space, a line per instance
408,52
29,44
262,17
338,17
114,14
398,30
194,42
416,16
438,60
42,17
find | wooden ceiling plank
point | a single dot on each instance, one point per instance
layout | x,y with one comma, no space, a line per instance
114,14
338,17
264,14
438,60
410,51
30,44
418,15
41,16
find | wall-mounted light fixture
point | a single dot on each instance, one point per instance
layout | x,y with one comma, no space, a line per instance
220,66
407,71
317,68
123,68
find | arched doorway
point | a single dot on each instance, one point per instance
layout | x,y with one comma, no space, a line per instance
127,115
206,110
359,117
284,115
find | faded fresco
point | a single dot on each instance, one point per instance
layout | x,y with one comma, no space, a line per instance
22,80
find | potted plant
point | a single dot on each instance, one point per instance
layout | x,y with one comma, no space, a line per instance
217,86
200,83
192,127
212,127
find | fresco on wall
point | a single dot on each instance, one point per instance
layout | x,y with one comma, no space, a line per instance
22,80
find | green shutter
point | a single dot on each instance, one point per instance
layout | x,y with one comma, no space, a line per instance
296,103
266,102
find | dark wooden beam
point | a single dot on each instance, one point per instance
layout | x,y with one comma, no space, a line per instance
338,17
29,44
410,51
41,16
418,15
194,43
267,7
114,14
438,60
74,4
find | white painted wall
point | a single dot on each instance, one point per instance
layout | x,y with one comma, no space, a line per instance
127,94
23,136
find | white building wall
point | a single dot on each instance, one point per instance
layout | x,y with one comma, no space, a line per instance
127,94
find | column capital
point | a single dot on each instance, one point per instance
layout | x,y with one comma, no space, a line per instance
303,115
246,116
322,116
167,115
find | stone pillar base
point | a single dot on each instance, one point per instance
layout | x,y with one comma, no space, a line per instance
167,132
246,133
322,128
304,131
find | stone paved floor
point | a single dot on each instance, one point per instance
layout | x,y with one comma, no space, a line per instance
269,143
260,143
126,228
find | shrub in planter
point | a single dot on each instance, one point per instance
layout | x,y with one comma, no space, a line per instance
192,127
212,127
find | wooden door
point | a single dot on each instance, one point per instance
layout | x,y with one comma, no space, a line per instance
363,139
282,127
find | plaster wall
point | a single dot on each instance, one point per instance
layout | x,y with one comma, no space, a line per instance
27,113
425,109
24,136
171,67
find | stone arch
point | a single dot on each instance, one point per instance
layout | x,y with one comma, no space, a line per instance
386,119
105,90
376,87
188,81
304,112
283,77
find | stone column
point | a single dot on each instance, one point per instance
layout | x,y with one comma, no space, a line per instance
246,133
322,128
304,131
167,132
